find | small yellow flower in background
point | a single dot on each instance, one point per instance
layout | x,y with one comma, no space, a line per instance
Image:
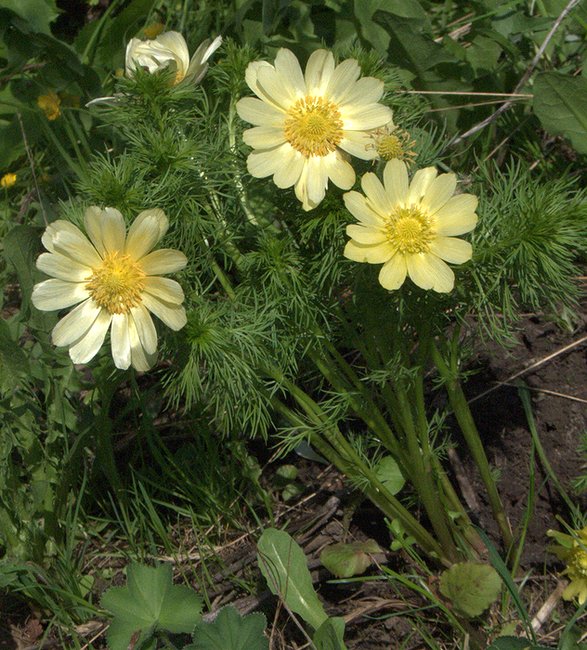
391,143
50,105
170,50
153,30
572,550
410,227
115,277
306,124
8,180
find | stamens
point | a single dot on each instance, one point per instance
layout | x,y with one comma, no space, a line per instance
313,126
409,230
117,285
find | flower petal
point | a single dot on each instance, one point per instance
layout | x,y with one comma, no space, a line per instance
259,113
395,181
288,68
264,137
274,90
359,144
393,272
146,230
344,77
63,268
141,359
365,236
93,224
430,272
367,90
457,216
290,171
420,184
319,70
164,260
172,315
144,327
251,74
451,249
439,192
360,118
316,181
76,324
198,64
60,234
87,347
371,254
339,170
164,288
113,230
175,43
120,341
377,197
57,294
357,205
263,163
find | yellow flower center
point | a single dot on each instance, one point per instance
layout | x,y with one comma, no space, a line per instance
390,147
313,126
409,230
577,563
117,285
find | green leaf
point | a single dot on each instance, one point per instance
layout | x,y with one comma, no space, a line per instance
21,246
13,361
230,631
560,102
330,635
38,13
283,565
346,560
388,473
149,601
375,34
471,587
515,643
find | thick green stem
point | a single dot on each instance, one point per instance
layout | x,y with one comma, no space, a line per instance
431,462
423,479
462,412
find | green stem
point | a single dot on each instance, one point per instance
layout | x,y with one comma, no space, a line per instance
423,480
331,443
104,448
525,397
462,412
430,460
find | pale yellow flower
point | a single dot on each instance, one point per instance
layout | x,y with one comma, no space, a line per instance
8,180
573,551
50,104
115,278
410,227
306,124
169,50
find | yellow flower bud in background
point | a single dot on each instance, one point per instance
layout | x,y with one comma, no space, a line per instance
153,30
8,180
50,105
